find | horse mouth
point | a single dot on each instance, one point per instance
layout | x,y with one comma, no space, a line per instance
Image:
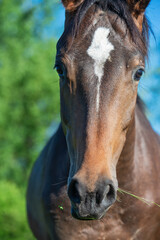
77,216
86,217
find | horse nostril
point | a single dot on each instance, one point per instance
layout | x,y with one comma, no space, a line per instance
106,193
74,192
111,195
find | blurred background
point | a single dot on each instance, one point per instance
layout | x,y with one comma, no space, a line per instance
29,96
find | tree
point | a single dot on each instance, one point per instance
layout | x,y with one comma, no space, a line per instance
28,89
29,103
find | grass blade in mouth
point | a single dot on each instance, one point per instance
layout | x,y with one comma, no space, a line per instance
149,203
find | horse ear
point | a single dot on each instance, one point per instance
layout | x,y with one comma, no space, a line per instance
71,5
137,8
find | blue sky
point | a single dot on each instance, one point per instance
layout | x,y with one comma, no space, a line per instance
150,86
153,13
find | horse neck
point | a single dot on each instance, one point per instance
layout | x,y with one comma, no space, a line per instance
141,151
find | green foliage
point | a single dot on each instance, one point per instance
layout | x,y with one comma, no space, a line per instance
29,104
12,215
28,90
29,93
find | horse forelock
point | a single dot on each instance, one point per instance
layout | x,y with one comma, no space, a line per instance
118,7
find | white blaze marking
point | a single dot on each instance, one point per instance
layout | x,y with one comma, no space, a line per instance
100,51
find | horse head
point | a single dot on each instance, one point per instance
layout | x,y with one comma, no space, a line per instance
100,60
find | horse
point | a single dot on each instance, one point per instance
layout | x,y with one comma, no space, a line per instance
104,140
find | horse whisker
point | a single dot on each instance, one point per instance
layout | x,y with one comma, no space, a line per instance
55,184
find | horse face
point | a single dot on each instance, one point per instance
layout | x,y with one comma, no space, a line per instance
99,70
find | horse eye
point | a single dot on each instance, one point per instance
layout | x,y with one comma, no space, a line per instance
138,74
60,72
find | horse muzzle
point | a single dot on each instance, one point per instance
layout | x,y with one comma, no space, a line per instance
91,205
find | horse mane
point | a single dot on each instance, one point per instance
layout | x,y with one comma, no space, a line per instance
121,8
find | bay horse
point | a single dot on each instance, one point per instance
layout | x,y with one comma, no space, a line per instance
104,139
